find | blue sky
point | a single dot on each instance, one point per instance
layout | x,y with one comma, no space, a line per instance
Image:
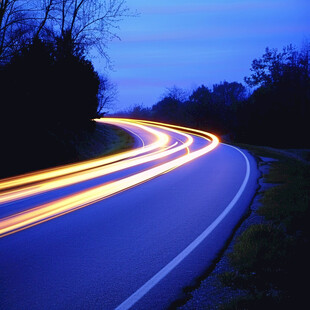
192,42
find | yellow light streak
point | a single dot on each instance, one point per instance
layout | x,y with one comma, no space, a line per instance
161,140
66,180
42,213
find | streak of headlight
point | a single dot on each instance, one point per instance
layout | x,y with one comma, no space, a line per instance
160,141
85,175
67,204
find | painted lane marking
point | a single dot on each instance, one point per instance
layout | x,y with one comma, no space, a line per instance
146,287
138,136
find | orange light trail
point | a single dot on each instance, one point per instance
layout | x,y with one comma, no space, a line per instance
91,169
161,140
26,190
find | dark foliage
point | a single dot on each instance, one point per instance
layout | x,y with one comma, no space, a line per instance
276,113
213,110
168,110
279,109
48,94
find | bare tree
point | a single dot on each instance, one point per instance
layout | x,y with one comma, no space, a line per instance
106,95
89,23
176,93
13,26
20,22
45,14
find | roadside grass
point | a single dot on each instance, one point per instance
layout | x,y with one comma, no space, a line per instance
270,260
124,142
107,140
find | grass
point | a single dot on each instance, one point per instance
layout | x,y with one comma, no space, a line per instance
123,142
270,260
106,140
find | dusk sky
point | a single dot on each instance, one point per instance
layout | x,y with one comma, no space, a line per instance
192,42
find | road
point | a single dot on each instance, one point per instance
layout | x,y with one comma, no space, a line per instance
125,231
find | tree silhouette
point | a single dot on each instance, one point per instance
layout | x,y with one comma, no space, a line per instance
279,108
229,93
89,23
50,92
46,100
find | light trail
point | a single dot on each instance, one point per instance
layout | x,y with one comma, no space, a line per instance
25,191
161,140
89,170
162,273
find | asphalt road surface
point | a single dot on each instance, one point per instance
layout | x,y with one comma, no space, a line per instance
128,231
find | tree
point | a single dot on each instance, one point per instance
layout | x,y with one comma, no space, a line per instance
167,110
138,111
176,93
44,15
50,92
14,26
207,110
171,107
229,93
47,102
202,95
106,94
20,22
198,107
281,99
89,23
38,79
273,66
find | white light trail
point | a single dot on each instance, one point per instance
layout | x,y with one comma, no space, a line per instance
43,181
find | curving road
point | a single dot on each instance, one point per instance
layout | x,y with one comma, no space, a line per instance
125,231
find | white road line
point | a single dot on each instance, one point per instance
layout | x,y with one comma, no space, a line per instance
143,144
145,288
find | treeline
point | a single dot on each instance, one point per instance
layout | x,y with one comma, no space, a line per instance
274,108
48,96
49,91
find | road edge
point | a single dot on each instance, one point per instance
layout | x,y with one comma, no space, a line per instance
208,286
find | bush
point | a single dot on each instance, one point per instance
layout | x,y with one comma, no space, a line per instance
47,97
